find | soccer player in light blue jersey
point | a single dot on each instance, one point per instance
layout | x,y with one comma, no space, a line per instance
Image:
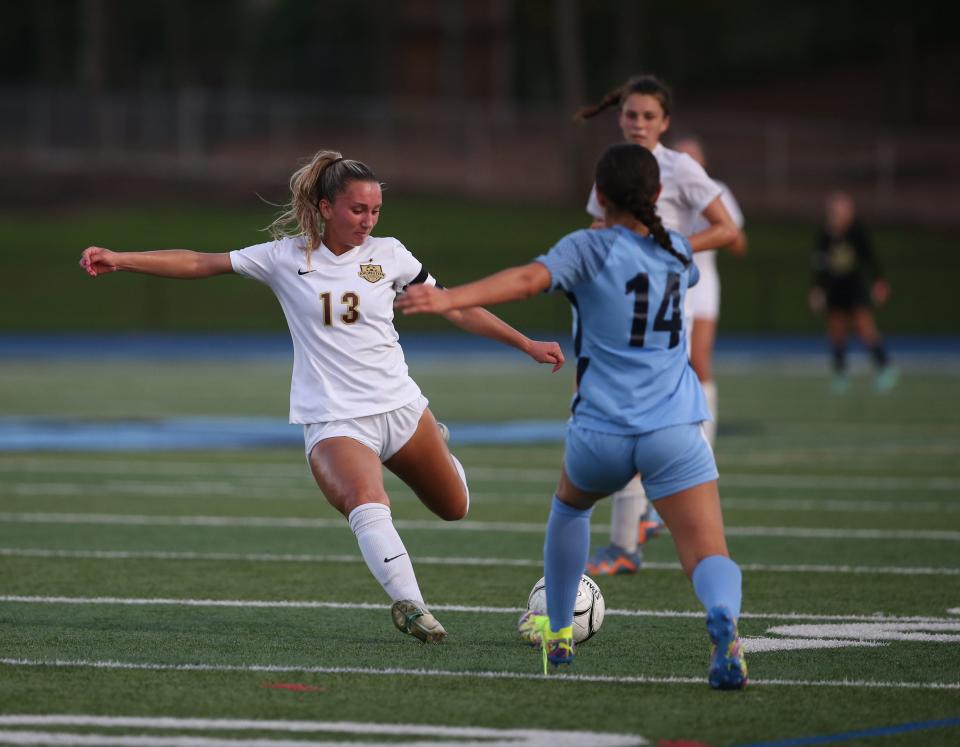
694,205
638,405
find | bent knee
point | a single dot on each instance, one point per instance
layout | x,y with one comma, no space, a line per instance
455,507
454,511
346,505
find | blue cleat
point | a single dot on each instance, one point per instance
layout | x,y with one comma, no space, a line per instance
650,525
728,667
887,378
557,647
613,560
531,627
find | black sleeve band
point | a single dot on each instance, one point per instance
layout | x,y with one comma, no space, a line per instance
421,278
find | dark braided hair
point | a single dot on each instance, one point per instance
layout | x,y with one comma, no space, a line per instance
648,85
628,176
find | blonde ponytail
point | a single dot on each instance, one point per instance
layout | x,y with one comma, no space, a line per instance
324,177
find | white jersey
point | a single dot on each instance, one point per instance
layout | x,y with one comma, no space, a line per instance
708,257
347,360
703,300
685,191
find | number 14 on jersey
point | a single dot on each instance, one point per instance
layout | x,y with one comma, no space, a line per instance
639,285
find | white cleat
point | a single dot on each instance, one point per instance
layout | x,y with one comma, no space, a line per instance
415,619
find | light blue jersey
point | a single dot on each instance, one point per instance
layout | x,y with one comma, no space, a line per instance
627,293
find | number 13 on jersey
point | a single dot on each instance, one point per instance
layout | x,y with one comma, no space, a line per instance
349,299
639,285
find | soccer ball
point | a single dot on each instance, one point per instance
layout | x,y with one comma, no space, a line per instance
587,610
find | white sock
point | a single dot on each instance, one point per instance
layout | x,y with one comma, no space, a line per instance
463,479
710,426
629,504
383,551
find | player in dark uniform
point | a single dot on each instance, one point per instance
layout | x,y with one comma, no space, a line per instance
847,282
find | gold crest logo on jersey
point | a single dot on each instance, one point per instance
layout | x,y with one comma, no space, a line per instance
371,273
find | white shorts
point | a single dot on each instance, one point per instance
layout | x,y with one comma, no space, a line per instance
384,433
703,299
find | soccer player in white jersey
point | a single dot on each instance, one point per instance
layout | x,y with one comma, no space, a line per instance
638,405
687,196
350,387
703,300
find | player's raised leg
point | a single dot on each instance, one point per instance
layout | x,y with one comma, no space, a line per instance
350,476
436,476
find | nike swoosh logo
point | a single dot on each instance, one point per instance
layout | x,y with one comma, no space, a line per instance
387,560
304,272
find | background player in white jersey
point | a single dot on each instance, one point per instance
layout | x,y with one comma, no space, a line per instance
350,387
638,405
687,196
703,300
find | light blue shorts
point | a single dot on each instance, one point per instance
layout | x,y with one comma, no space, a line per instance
669,459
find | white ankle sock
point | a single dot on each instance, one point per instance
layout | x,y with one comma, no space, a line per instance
383,551
629,504
710,426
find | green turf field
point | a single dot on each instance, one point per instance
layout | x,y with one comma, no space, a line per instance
764,292
207,584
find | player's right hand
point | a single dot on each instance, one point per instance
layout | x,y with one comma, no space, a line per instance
817,300
96,260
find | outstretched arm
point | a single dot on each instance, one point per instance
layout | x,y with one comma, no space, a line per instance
168,263
514,284
458,306
482,322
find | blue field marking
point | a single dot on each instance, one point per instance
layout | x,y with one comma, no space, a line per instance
58,434
172,345
846,736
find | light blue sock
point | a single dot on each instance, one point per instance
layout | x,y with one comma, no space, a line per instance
717,580
565,553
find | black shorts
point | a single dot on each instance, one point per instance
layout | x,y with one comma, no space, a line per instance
847,295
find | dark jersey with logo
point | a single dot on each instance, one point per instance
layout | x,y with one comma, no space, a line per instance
844,266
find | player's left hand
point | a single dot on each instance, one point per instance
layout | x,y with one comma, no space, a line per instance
880,292
423,299
546,352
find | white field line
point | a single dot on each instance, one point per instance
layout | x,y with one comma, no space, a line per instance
170,490
467,526
451,735
840,482
819,505
469,609
624,680
270,472
16,552
195,490
91,739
